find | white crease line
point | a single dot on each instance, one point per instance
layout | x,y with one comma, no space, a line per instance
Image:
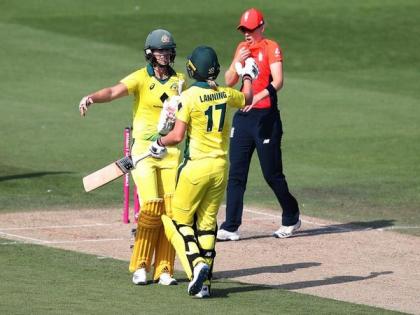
56,227
34,240
85,241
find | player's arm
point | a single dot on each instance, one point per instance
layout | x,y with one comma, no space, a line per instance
176,135
276,70
102,96
158,148
247,90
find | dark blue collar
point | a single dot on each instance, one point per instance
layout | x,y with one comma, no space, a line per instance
151,72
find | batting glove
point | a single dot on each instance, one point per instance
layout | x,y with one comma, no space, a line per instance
84,104
251,68
167,115
157,149
239,68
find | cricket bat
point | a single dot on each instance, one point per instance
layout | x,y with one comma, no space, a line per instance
111,172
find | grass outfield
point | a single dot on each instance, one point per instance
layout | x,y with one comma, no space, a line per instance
70,283
349,105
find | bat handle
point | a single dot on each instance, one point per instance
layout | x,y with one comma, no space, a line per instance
137,159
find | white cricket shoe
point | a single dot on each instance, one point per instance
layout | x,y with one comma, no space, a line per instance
287,231
204,293
166,279
140,276
223,235
201,271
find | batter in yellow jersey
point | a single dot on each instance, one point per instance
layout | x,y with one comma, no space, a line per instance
151,86
204,118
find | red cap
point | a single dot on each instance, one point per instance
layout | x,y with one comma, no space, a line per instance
251,19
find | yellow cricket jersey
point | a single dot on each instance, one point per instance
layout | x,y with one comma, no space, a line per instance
149,94
205,112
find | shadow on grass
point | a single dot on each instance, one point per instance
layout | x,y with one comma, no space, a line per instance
347,227
333,229
264,269
30,175
329,281
241,287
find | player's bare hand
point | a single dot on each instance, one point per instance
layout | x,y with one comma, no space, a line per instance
84,104
244,53
248,108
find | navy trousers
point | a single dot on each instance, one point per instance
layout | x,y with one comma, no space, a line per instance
259,129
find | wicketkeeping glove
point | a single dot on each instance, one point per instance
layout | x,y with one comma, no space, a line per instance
167,115
157,150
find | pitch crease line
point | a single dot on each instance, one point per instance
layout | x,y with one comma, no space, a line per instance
86,241
57,227
34,240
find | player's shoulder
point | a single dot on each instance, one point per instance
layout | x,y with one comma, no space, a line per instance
272,44
140,73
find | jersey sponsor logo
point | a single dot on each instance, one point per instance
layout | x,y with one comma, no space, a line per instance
174,86
151,87
260,56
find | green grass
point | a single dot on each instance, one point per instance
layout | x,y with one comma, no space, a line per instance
349,106
70,283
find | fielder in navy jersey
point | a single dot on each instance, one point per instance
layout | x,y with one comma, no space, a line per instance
257,126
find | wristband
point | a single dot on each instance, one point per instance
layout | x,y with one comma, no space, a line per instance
246,77
271,90
159,142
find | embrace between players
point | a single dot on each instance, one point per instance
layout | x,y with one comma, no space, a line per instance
180,202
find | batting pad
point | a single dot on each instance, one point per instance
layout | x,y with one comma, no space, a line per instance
183,240
207,242
165,252
148,228
164,256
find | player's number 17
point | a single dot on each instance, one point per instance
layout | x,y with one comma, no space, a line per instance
209,114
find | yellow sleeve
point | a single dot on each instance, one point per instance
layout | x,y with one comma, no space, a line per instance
133,82
184,113
235,98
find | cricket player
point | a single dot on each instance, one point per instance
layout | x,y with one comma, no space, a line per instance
259,128
155,89
204,117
